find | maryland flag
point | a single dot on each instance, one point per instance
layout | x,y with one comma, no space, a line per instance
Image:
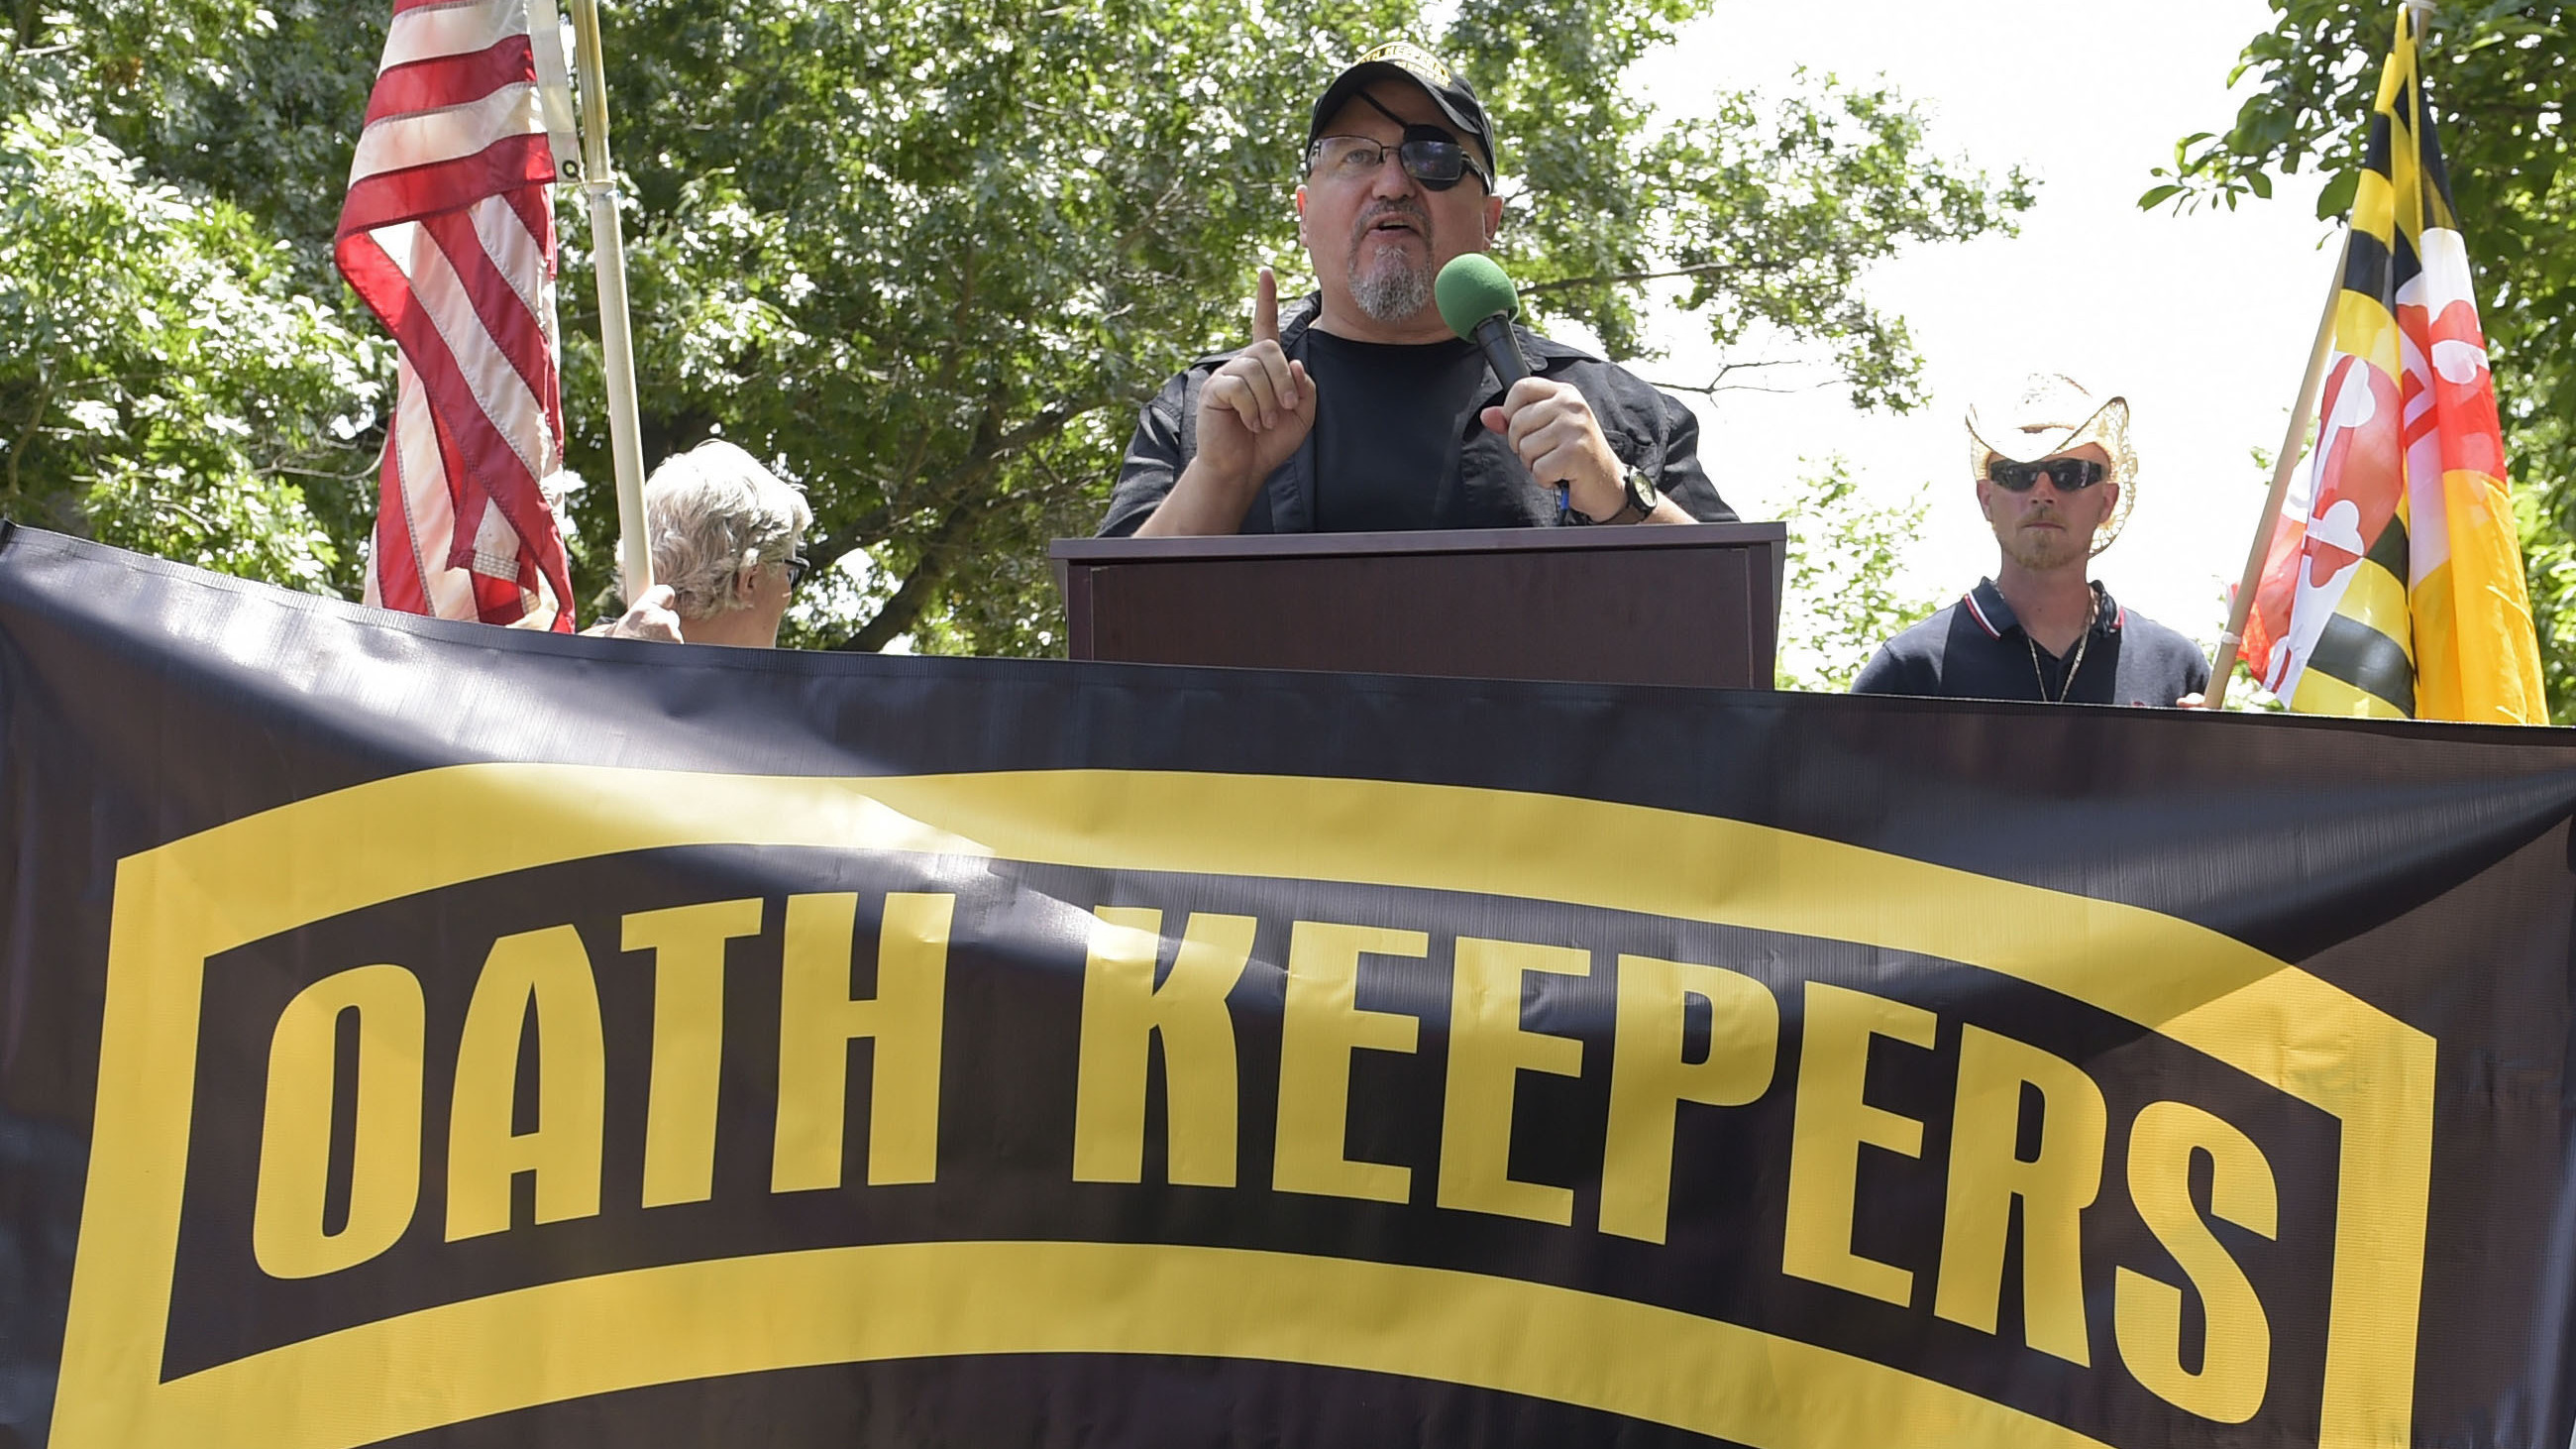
2394,585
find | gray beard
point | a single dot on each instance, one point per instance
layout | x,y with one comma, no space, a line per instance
1395,291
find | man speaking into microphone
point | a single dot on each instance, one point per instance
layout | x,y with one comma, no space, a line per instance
1360,408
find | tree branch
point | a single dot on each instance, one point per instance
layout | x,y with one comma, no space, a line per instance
878,524
30,15
903,610
869,527
964,509
35,417
1615,278
2502,108
359,475
1719,384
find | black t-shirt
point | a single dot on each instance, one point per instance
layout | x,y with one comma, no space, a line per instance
1392,424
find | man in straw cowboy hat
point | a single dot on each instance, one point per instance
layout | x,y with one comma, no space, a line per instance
2055,476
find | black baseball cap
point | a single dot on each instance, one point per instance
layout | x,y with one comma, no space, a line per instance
1405,61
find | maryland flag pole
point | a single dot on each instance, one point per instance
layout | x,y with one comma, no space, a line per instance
2392,586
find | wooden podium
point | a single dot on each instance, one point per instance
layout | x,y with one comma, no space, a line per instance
1694,604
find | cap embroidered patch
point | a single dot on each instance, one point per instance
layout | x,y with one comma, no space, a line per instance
1413,58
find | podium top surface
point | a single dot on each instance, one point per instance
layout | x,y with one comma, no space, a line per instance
1688,604
1427,541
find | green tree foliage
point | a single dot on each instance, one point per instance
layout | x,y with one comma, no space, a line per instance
2498,74
167,379
931,257
1845,595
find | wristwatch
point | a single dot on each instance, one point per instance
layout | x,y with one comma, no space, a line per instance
1640,500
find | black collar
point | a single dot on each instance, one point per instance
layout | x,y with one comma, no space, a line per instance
1985,604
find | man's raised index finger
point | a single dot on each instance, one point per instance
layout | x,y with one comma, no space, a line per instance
1265,308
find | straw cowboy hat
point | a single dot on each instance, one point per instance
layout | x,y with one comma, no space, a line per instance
2053,414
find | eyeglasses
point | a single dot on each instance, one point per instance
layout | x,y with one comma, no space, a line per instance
2069,474
798,565
1434,160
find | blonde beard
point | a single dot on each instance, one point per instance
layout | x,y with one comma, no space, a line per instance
2049,554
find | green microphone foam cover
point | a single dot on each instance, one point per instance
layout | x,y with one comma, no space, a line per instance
1471,288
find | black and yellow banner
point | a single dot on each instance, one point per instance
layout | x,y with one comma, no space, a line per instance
415,1032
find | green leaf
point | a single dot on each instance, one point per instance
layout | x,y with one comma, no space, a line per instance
2336,199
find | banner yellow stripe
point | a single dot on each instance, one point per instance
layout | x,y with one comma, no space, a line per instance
926,1300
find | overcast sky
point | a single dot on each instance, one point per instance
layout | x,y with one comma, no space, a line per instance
2202,321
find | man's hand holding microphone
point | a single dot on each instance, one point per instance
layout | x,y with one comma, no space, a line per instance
1548,423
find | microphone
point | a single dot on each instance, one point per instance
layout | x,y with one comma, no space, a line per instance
1479,302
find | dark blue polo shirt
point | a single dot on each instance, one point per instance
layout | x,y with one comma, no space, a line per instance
1975,649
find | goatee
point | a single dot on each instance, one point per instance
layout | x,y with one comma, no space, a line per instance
1394,290
1397,287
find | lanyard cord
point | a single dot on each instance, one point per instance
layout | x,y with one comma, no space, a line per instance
2066,686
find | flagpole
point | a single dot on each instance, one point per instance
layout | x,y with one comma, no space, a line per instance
2222,669
616,340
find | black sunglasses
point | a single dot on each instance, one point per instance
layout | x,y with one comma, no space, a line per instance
2069,474
1437,164
798,565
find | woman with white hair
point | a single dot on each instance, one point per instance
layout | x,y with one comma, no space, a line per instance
727,537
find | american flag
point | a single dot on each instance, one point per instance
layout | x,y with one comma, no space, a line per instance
448,236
